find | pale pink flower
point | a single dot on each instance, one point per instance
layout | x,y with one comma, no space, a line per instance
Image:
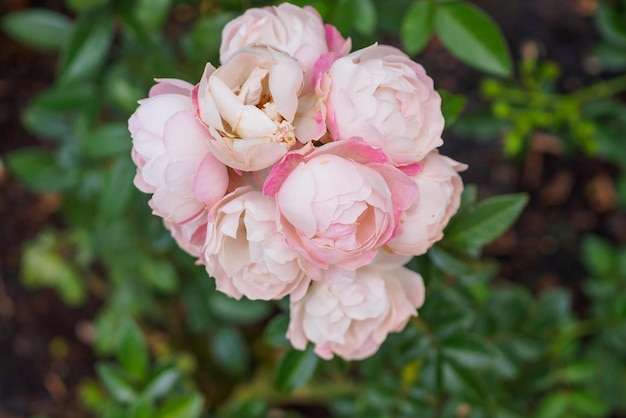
350,312
439,196
300,32
248,105
379,94
245,251
340,202
190,235
170,149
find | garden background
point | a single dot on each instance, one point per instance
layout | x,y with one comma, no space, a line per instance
101,314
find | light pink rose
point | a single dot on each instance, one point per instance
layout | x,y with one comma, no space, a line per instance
190,235
170,149
300,32
246,252
350,312
340,202
439,195
379,94
248,105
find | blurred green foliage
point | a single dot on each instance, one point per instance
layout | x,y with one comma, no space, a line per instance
171,346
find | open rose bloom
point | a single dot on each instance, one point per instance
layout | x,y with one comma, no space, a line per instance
300,168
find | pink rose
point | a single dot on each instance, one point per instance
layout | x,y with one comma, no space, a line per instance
246,252
190,235
379,94
350,312
439,195
340,202
248,105
170,149
300,32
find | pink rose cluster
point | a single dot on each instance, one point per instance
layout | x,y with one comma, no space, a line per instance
300,168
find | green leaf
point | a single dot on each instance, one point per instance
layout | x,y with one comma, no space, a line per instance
88,48
182,407
132,352
343,15
106,141
611,23
142,408
152,14
38,28
83,5
451,105
44,266
276,331
453,262
161,383
486,221
599,255
118,190
364,18
554,406
417,26
464,381
159,274
39,171
70,97
295,369
508,307
230,350
473,37
116,382
203,42
243,311
470,351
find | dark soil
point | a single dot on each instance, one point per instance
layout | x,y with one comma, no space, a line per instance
42,357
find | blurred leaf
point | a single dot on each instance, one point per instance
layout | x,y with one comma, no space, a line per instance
364,16
295,369
159,274
276,331
453,263
63,98
88,48
38,28
588,403
508,307
116,382
464,380
47,123
132,352
470,351
243,311
107,141
473,37
182,407
152,14
122,89
611,24
83,5
39,171
118,189
230,350
417,26
44,266
451,105
343,15
486,221
612,57
203,41
554,405
599,256
554,307
142,408
161,383
444,314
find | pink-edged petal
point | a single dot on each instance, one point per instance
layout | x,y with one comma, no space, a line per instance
211,181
